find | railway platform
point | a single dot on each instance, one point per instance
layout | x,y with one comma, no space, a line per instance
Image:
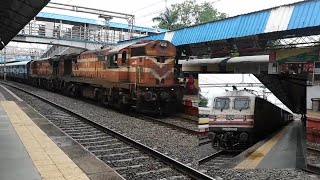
284,149
32,148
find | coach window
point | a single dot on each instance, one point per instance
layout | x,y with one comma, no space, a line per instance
222,103
241,103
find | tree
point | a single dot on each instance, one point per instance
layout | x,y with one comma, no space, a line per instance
203,101
206,13
167,19
188,13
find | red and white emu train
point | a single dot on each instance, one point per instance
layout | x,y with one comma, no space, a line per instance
239,118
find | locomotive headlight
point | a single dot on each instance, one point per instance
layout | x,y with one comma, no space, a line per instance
147,96
244,118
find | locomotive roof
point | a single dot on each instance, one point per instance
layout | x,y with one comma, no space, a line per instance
237,93
98,51
17,63
240,59
118,48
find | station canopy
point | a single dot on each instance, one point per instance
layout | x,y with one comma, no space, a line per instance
289,89
15,14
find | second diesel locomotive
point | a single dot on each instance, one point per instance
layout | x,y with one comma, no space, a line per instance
239,118
138,75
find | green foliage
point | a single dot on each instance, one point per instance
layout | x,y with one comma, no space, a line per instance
203,102
186,14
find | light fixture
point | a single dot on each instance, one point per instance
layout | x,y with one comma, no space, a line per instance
106,17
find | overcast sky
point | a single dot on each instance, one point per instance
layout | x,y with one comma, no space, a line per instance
212,92
145,10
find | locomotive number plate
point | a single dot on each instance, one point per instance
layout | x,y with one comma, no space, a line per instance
230,129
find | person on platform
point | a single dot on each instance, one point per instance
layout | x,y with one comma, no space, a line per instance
190,85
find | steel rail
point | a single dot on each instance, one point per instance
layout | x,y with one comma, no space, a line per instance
208,158
312,169
184,169
313,150
159,121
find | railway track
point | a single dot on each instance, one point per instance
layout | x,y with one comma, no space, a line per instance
313,162
128,157
216,160
204,141
178,123
187,126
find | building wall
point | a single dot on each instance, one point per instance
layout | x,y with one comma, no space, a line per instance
312,92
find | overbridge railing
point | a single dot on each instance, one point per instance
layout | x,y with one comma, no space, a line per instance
97,34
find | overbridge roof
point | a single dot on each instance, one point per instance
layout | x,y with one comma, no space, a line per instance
15,14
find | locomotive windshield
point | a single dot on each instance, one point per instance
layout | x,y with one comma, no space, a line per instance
241,103
222,103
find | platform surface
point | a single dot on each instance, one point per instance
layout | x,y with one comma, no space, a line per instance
32,148
285,149
15,163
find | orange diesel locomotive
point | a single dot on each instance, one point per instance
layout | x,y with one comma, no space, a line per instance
139,75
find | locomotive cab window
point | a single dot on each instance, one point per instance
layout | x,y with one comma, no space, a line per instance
138,51
222,103
241,103
112,60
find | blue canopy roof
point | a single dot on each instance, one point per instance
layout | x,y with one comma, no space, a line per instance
285,19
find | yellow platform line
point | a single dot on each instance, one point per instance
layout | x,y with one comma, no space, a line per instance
50,161
252,161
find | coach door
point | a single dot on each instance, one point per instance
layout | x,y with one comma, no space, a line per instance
55,66
67,66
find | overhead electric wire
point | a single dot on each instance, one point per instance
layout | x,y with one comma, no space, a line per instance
148,14
147,6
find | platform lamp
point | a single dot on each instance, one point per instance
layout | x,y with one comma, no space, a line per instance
107,25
